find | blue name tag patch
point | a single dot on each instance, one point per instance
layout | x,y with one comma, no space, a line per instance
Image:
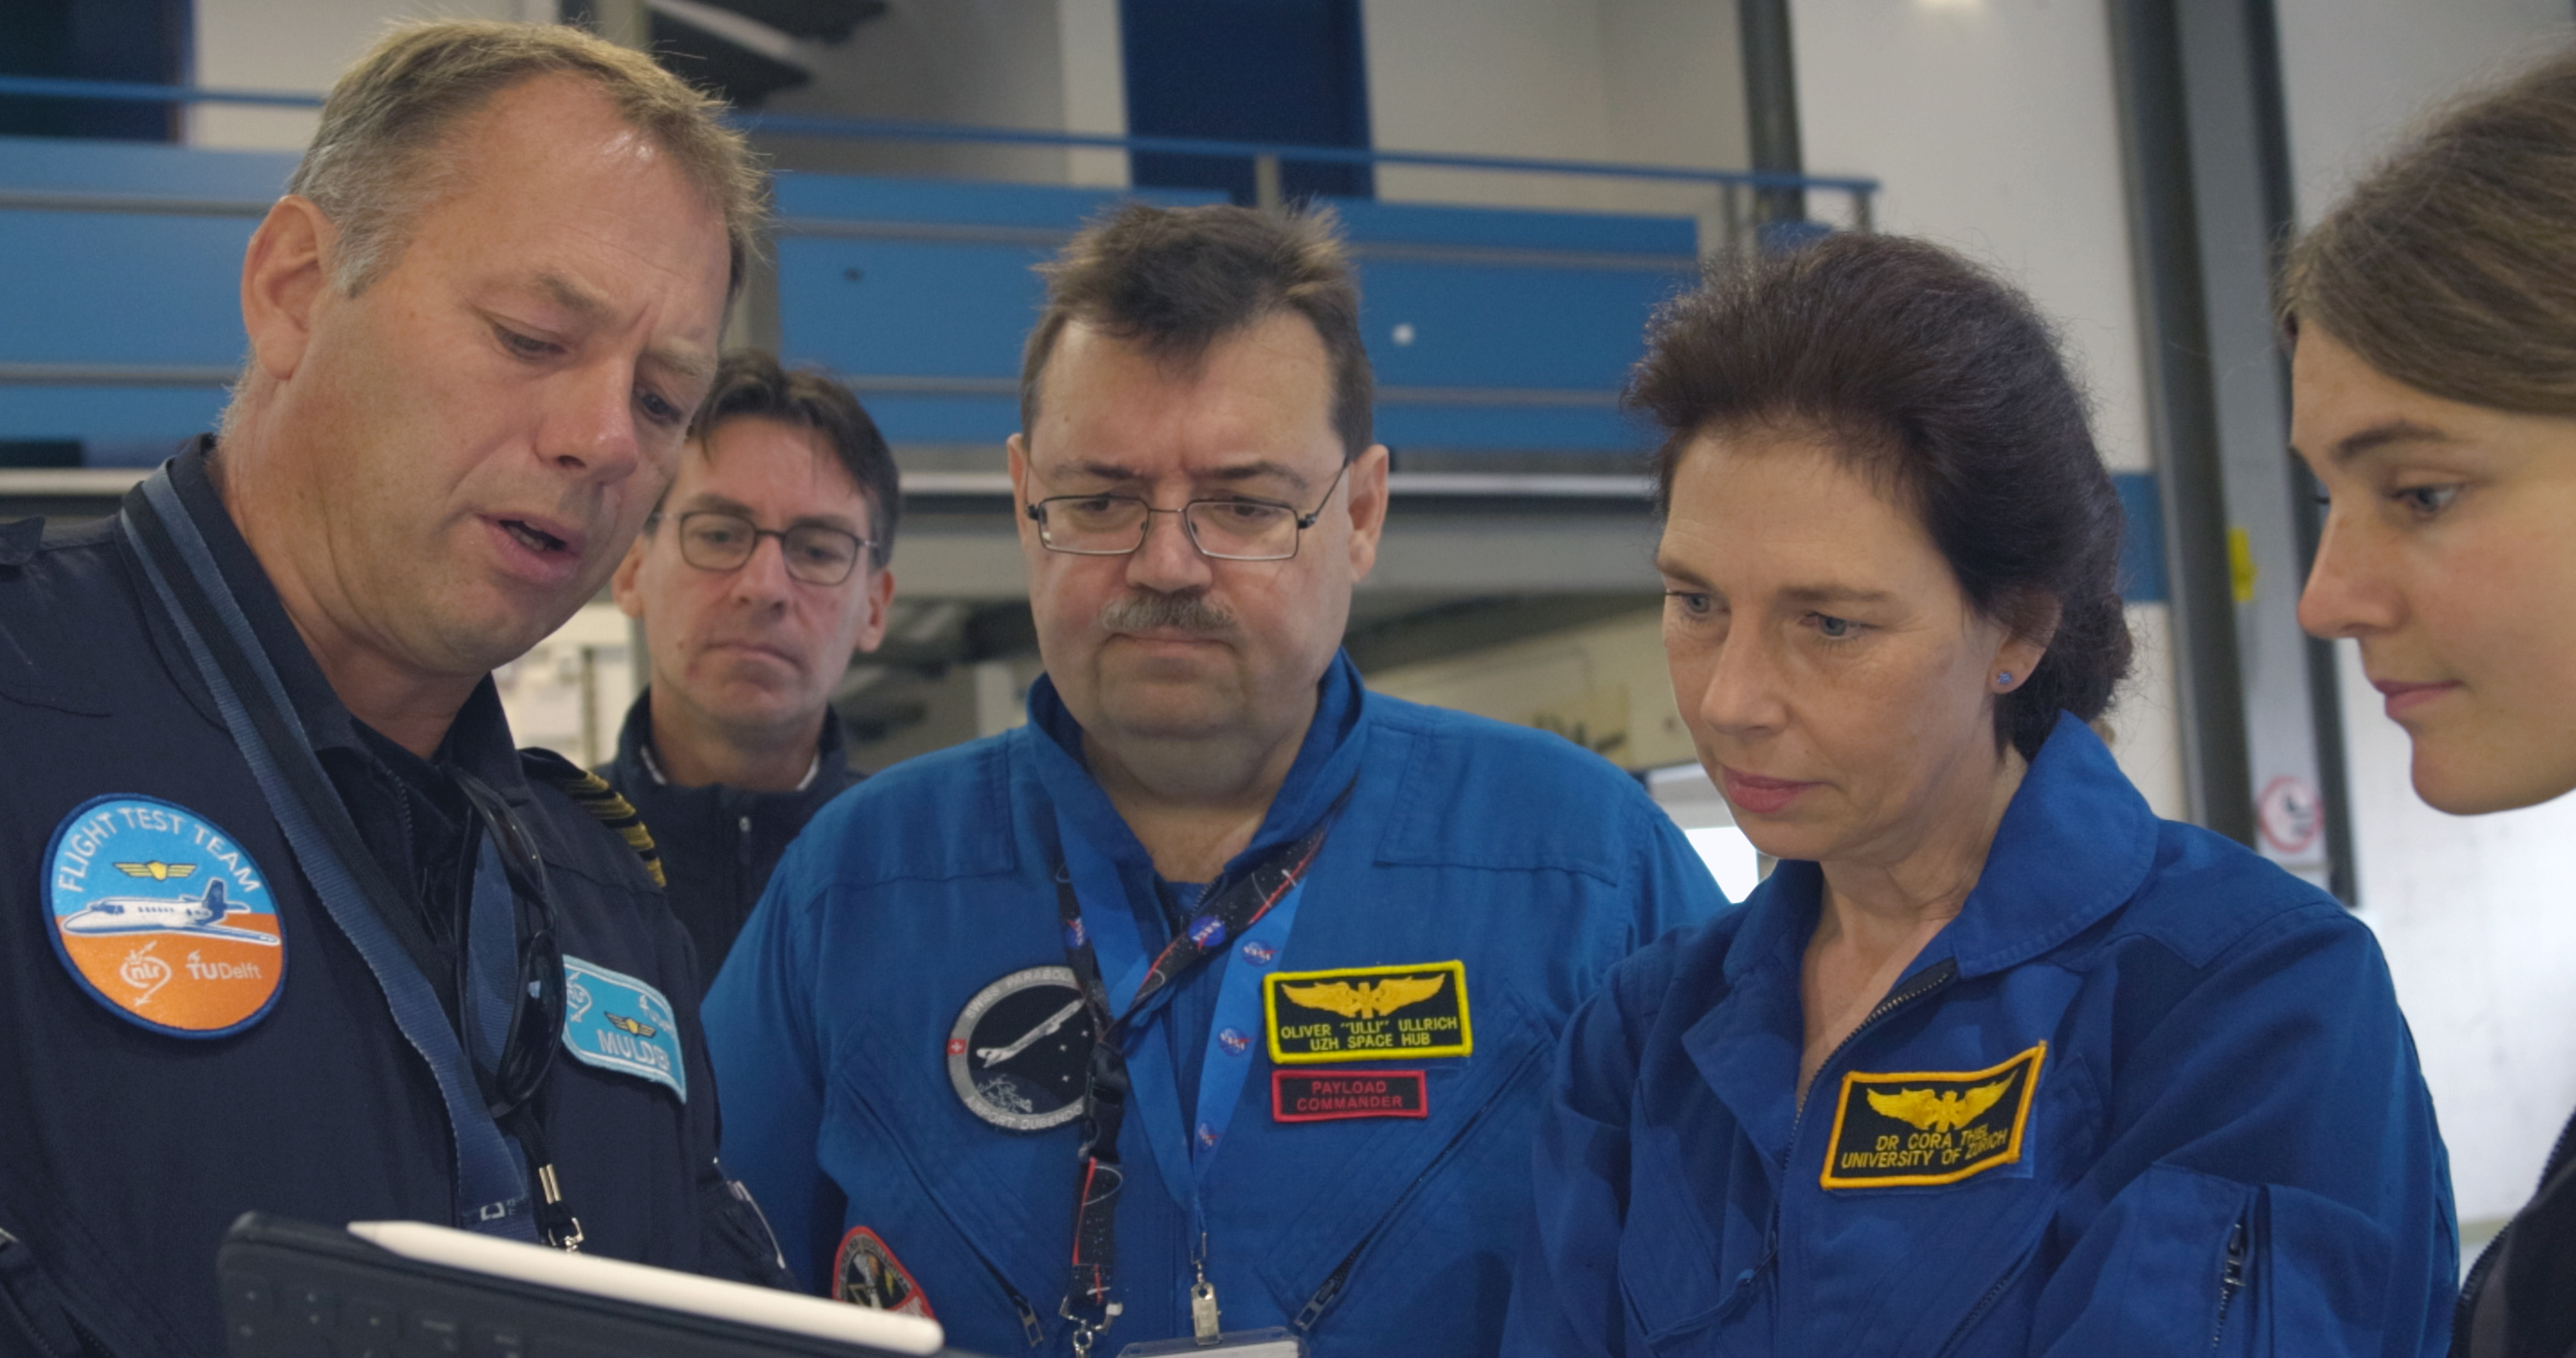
616,1022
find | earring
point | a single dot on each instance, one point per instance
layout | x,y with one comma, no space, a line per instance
2004,679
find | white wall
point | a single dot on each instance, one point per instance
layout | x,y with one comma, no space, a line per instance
1049,65
1993,127
1094,63
1654,82
300,46
2478,915
1605,682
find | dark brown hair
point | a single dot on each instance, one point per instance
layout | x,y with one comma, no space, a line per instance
750,383
2452,267
1177,279
1939,382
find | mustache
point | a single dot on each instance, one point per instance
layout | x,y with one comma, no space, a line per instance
1151,612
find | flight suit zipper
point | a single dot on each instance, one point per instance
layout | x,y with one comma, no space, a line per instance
1338,1281
2231,1280
1984,1304
1031,1326
1924,983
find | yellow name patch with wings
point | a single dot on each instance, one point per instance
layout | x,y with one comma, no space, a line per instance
1367,1013
1930,1127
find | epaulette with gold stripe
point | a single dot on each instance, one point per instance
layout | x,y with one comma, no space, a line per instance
592,793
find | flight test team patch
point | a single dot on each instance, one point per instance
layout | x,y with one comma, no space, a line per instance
163,917
1931,1127
1367,1014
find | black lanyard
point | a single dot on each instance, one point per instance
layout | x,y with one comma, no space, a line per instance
491,1190
1223,916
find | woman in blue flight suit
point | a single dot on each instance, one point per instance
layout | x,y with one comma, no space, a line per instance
1995,1061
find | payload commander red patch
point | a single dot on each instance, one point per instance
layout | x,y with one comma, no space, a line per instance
1332,1095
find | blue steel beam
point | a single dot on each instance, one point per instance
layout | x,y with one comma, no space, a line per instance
897,129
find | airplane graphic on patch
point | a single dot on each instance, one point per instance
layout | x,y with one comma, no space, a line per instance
198,918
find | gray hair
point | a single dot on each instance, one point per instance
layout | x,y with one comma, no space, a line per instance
382,156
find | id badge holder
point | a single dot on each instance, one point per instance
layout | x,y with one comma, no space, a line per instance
1275,1342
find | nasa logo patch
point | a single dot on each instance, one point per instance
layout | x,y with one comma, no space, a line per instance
1020,1049
163,918
616,1022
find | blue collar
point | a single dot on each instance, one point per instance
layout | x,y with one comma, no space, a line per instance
2075,843
1326,763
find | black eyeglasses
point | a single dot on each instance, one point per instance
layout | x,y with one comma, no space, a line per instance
537,999
1232,529
713,540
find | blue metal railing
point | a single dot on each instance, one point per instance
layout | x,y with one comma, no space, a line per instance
913,291
1861,190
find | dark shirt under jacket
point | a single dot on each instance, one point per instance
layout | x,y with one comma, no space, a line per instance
126,1151
719,844
2520,1301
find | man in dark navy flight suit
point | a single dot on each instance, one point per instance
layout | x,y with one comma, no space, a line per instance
286,924
734,745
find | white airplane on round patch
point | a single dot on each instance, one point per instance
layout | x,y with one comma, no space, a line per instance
199,918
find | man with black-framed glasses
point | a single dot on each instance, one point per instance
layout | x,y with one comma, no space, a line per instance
1329,937
759,575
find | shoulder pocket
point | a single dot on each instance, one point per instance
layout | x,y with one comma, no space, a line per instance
2317,1270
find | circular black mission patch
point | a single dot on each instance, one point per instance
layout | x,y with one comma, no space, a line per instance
1019,1050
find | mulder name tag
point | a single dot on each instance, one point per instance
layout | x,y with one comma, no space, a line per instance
1367,1013
1931,1127
616,1022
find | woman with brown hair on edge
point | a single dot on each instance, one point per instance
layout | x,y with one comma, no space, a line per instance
2433,314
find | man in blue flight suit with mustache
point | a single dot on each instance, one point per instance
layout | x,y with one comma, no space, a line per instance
1329,937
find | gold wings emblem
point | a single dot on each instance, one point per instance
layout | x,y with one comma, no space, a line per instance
1927,1111
637,1027
1368,999
156,870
